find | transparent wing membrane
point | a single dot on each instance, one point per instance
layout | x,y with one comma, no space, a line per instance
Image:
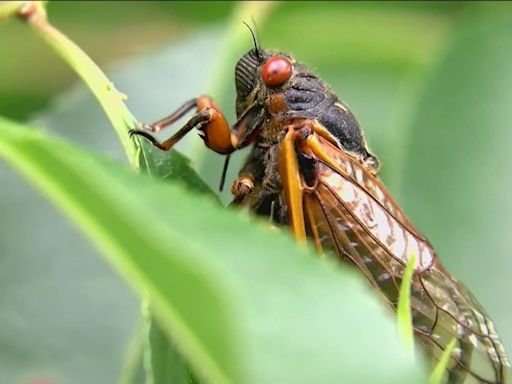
351,216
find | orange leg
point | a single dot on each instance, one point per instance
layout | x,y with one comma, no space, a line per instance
242,186
209,119
176,115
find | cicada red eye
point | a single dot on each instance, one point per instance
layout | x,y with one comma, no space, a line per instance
276,71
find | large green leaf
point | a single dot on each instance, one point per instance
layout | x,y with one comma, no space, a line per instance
62,308
241,302
457,178
58,263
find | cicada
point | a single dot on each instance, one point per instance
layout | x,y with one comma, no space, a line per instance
310,168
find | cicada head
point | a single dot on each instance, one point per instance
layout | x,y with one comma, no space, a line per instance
258,72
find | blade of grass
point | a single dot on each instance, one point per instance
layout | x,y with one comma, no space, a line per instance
404,317
440,369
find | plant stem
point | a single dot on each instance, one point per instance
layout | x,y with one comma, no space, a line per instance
111,100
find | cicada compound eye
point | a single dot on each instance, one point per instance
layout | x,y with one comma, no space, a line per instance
276,71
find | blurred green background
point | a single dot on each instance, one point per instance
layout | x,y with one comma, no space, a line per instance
429,82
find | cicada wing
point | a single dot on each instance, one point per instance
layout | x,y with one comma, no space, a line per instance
349,214
479,354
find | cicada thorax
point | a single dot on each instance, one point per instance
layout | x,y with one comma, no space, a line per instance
304,97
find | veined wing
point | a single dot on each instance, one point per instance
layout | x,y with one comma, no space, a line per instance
351,215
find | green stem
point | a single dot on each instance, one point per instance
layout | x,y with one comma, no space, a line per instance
111,100
9,9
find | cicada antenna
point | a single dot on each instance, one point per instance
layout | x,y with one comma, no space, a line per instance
256,31
254,39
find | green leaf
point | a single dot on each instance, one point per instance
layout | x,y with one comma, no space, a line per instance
170,165
58,263
457,183
63,308
241,303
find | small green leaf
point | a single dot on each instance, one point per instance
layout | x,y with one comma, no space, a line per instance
170,165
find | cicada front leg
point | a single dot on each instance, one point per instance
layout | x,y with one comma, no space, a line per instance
251,174
209,120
